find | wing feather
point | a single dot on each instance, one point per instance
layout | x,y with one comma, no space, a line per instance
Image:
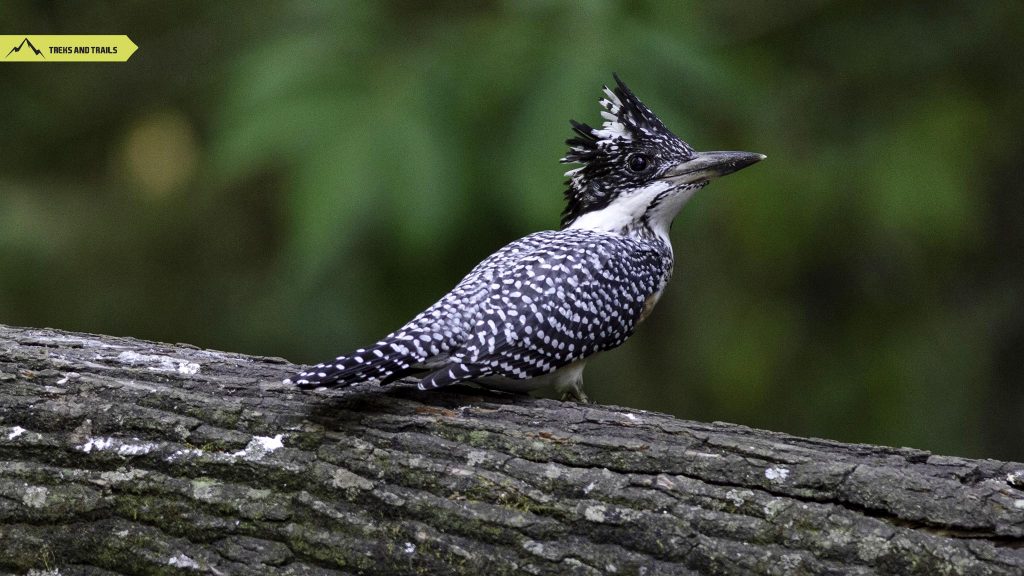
558,304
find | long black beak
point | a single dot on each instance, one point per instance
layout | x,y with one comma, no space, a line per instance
707,165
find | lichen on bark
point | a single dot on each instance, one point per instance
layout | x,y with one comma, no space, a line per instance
131,457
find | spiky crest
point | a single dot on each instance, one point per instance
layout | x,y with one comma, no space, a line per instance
629,126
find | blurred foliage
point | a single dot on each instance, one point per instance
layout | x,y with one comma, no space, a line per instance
299,178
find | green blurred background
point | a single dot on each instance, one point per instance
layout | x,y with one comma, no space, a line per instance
297,179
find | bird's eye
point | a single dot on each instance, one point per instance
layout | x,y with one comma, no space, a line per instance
639,163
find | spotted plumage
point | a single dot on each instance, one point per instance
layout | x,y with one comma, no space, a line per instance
533,312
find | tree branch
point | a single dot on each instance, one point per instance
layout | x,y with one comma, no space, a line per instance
124,456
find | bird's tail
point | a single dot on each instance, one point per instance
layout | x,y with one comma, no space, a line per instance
385,362
449,374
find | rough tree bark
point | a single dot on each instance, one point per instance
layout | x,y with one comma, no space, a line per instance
124,456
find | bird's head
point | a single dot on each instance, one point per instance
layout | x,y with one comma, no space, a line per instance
634,170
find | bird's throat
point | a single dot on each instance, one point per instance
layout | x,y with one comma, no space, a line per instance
644,213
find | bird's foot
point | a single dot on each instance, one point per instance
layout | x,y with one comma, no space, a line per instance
575,395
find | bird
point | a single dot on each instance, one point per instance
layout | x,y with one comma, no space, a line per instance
532,313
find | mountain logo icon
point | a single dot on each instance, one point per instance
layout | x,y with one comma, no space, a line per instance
22,45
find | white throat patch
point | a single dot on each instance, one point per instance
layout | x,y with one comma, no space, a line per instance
624,214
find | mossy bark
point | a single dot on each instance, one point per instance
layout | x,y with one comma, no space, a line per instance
124,456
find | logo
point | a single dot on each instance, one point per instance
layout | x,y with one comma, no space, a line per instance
66,48
22,45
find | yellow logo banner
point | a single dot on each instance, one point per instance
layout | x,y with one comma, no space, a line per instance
66,48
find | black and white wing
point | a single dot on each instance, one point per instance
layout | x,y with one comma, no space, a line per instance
577,293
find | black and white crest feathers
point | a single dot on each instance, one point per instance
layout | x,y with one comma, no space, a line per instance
625,118
629,128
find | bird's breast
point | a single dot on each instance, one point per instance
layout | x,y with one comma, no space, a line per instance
649,304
